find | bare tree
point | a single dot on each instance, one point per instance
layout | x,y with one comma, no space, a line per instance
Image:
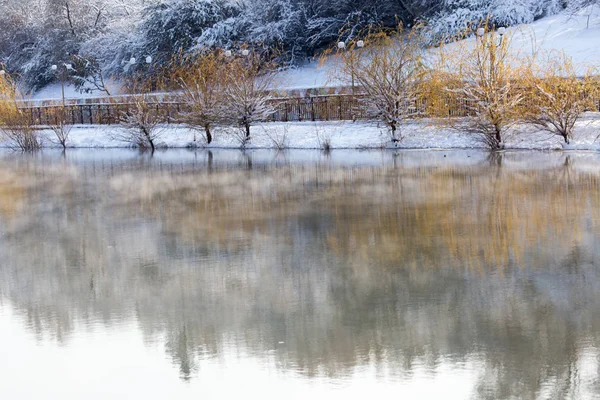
60,126
18,132
249,81
88,75
141,122
389,72
576,6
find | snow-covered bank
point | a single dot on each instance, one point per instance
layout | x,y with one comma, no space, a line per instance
422,134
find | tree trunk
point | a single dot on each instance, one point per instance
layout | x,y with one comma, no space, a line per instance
394,128
69,19
247,125
498,139
208,134
148,138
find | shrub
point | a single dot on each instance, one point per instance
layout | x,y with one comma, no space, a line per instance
388,72
483,76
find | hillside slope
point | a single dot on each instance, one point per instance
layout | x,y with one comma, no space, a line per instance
577,35
562,32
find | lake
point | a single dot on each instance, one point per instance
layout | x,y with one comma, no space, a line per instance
414,274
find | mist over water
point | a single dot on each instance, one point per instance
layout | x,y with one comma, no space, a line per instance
457,274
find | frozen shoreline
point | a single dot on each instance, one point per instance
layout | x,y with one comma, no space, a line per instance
421,134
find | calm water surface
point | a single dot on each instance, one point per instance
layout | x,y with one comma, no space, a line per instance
454,275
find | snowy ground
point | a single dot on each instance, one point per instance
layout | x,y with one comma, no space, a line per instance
422,134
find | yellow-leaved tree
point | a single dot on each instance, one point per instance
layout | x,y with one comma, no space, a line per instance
202,80
16,125
480,76
557,95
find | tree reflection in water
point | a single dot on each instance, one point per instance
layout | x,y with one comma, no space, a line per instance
411,261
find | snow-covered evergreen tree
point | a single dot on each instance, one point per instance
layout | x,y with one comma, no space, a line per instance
454,16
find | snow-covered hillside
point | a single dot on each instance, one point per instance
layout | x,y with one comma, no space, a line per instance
565,32
577,35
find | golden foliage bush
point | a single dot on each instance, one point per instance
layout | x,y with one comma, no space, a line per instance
557,97
202,81
482,76
16,126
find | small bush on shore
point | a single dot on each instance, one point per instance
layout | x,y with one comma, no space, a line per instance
557,97
16,126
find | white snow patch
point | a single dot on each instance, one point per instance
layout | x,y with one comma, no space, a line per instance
421,134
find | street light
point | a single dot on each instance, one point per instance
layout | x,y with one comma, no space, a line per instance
133,61
501,32
68,67
359,45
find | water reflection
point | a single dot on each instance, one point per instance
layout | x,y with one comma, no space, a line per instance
325,268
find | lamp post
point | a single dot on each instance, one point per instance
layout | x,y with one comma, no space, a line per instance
62,75
359,45
501,32
133,61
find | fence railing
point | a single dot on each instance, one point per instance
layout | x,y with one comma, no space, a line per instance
315,108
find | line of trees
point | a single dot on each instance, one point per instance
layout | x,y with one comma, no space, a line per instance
219,88
496,86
